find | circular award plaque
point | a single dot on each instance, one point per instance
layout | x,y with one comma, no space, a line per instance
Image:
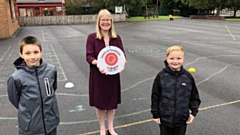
111,59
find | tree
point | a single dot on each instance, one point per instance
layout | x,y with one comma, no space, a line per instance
133,6
75,3
108,4
235,4
206,4
72,6
167,3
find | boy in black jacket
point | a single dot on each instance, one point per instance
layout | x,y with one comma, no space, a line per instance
175,97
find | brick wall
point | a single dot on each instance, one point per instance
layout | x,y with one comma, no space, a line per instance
8,25
3,21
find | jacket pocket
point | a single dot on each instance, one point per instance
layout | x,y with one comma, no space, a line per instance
185,115
55,109
24,119
48,88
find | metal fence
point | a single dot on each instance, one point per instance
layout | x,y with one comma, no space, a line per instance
64,20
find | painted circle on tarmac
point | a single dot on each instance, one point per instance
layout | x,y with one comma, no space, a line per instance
111,59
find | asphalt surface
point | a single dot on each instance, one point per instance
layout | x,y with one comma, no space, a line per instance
211,47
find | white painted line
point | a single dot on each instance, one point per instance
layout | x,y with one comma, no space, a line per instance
230,33
43,36
213,75
64,75
7,52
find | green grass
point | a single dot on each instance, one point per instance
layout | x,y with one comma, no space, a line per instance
141,18
232,19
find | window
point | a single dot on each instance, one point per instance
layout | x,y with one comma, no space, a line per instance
37,11
12,9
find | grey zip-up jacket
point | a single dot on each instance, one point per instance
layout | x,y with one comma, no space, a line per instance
32,91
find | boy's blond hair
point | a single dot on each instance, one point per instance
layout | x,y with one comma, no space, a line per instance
98,29
29,40
174,48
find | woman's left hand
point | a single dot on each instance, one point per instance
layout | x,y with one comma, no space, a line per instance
190,120
122,67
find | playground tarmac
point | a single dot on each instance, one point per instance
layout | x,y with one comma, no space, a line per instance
212,47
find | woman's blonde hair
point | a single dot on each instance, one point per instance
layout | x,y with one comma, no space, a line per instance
174,48
112,32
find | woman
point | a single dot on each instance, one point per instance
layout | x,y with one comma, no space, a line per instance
104,90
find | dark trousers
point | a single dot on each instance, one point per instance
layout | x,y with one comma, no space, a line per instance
165,130
54,132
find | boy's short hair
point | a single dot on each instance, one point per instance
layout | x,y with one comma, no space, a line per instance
29,40
174,48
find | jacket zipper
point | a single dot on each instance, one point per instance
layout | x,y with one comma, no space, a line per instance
39,88
175,101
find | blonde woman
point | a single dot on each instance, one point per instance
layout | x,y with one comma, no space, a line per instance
104,90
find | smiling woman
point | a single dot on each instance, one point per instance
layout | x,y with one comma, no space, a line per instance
104,90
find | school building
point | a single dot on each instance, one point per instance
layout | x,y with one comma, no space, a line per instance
40,8
8,18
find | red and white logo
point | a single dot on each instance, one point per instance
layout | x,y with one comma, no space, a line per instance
111,59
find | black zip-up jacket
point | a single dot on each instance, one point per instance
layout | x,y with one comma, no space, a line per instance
174,95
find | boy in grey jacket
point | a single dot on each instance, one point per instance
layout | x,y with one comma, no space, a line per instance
31,89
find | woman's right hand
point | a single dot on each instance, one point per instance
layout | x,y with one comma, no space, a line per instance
102,71
158,121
